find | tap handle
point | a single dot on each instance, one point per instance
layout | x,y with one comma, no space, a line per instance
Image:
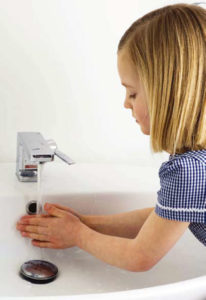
58,153
64,157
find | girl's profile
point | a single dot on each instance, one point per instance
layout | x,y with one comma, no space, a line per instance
161,61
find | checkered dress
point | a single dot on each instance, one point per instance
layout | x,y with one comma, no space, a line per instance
182,194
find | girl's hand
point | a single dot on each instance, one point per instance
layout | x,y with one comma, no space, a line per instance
57,230
68,209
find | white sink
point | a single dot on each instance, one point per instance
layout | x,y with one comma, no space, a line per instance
92,189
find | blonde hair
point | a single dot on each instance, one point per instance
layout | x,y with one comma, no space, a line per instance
167,46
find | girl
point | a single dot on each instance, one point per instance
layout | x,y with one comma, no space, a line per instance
162,64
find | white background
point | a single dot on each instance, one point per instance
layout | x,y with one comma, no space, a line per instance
59,76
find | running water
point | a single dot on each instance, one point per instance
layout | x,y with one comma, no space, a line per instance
39,207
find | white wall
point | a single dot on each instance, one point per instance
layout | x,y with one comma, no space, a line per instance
58,75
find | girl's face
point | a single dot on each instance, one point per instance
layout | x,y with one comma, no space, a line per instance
135,95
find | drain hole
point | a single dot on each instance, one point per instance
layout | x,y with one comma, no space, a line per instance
31,207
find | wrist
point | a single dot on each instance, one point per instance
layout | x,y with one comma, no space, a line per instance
83,218
87,220
79,233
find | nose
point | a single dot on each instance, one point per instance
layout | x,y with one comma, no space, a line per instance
127,104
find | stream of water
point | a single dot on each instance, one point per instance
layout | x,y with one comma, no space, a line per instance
39,189
40,204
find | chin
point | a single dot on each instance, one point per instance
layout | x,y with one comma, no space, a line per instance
145,131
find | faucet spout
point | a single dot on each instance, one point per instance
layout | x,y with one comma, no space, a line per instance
33,149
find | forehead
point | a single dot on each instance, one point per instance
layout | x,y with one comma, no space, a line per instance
126,69
123,60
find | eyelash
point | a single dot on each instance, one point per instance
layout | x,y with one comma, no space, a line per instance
132,96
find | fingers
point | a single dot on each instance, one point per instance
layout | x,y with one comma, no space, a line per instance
61,207
35,236
54,211
36,243
33,229
35,221
26,217
66,208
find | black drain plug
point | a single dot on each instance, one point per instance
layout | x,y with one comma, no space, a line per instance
38,271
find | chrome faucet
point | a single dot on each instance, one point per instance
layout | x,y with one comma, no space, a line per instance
33,149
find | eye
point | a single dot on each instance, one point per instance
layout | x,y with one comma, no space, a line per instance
132,96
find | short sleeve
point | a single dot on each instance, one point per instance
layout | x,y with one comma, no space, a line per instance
182,194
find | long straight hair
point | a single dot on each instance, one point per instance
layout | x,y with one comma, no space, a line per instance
167,47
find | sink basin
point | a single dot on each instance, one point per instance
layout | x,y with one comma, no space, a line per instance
92,189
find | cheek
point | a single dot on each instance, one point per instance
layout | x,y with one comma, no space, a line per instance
139,112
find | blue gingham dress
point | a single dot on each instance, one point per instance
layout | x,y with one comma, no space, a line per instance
182,194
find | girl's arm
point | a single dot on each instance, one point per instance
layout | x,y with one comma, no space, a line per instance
126,224
156,237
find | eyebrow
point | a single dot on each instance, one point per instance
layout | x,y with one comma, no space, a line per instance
127,85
